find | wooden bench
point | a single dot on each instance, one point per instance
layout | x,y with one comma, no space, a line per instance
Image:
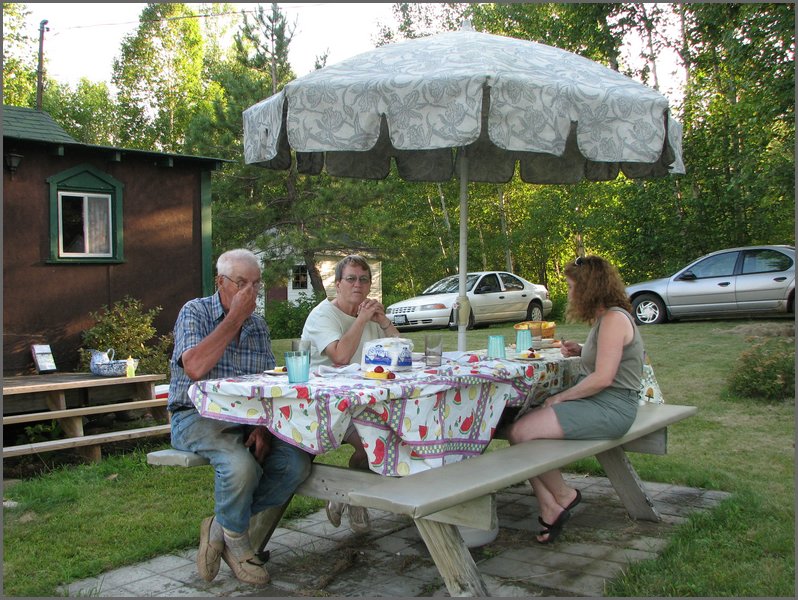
71,419
461,493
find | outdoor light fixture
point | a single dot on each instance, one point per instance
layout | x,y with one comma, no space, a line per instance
12,162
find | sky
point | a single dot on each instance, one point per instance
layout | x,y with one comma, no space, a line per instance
84,39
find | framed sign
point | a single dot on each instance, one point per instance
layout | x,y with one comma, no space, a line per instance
43,357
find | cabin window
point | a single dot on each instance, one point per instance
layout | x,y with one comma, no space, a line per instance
85,216
299,278
84,225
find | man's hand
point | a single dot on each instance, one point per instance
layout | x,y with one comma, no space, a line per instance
243,303
261,439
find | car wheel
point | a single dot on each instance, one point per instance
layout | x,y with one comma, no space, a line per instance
649,310
534,312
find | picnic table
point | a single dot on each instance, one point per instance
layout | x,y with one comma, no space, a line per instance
427,430
422,419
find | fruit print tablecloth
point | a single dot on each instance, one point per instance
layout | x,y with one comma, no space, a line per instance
423,419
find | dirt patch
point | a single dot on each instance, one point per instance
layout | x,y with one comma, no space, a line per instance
762,330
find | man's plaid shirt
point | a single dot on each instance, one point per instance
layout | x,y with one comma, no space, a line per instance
251,353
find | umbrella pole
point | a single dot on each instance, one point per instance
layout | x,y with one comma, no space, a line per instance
462,299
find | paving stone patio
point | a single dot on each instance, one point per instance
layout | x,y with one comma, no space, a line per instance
309,557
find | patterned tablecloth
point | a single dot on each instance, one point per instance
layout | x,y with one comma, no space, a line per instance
423,419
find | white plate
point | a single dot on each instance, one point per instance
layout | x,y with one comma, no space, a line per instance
274,372
527,359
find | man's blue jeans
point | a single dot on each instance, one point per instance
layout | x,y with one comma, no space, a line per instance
242,487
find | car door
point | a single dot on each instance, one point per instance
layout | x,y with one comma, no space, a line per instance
487,299
515,298
704,288
764,280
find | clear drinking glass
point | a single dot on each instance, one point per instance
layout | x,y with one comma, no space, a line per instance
433,349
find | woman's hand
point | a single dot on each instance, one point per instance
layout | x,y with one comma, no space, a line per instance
552,400
569,348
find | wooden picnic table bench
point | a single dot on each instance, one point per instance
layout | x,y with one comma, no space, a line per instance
140,391
461,493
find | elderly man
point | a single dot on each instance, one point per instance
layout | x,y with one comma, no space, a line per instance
215,337
337,330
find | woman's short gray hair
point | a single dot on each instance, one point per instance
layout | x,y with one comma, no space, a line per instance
226,262
352,259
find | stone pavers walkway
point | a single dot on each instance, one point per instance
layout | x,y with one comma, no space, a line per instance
309,557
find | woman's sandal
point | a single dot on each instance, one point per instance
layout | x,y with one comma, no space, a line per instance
576,501
555,529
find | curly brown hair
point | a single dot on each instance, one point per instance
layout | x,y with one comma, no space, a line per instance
596,285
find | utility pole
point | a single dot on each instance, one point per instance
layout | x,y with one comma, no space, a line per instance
40,71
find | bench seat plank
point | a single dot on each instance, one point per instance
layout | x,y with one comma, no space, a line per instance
434,490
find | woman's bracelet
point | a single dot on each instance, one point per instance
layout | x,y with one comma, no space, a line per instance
386,327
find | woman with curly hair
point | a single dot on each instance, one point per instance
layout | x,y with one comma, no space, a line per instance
603,402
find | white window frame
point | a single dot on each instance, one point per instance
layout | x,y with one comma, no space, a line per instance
87,197
296,274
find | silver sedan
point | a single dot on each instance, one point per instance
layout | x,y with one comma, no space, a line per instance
495,297
748,280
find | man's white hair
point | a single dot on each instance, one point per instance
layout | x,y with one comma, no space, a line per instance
226,262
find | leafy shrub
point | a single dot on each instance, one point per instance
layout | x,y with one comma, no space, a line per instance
127,328
286,319
766,371
41,432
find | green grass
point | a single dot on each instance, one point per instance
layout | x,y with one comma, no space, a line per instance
80,521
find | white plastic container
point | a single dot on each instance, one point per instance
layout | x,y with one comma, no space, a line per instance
475,538
391,353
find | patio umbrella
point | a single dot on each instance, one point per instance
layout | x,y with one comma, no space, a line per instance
471,104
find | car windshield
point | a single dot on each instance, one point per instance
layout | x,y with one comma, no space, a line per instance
450,284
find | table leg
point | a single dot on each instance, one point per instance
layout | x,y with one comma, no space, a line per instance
72,426
263,524
451,556
627,484
146,391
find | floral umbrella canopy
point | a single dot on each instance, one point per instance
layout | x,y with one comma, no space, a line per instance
469,103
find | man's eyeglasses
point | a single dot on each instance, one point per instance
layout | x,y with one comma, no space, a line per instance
351,279
240,284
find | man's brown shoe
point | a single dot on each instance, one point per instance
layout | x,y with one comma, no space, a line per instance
209,555
247,568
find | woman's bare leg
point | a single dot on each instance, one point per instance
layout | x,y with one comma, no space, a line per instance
551,491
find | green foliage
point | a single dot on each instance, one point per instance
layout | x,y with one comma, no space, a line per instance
127,328
19,57
41,432
160,77
766,371
286,319
87,113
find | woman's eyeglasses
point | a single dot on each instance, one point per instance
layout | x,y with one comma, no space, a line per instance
351,279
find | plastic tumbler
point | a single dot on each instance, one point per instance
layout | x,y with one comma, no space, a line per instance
433,349
297,363
523,340
496,346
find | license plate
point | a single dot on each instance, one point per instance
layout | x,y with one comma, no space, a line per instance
400,320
